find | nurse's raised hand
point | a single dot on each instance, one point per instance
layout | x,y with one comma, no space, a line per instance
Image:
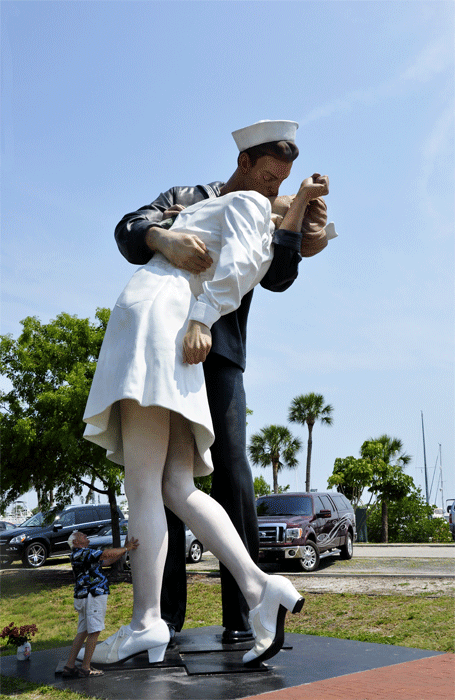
196,343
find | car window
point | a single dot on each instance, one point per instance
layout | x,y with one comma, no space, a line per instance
341,502
346,502
35,521
104,512
326,503
86,515
286,505
107,530
66,518
317,504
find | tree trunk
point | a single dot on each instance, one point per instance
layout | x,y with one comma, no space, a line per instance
308,456
275,477
384,523
117,566
89,497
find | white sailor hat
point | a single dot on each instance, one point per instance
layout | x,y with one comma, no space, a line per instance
264,132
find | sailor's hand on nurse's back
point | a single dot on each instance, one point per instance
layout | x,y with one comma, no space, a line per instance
182,248
196,343
173,211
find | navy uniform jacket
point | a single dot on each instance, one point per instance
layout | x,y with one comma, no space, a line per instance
229,332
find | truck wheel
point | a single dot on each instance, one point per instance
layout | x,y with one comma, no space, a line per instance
35,555
310,557
347,550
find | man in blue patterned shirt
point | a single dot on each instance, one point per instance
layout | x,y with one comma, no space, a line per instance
90,598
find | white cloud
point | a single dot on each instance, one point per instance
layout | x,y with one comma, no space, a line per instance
432,60
435,58
436,176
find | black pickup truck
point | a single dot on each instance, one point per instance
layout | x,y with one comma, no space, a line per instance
45,534
302,526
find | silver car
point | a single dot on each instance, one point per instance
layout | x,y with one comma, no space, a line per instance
193,548
103,540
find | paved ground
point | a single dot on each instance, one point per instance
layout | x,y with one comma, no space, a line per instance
426,679
426,551
308,668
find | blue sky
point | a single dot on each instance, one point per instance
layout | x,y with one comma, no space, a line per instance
106,104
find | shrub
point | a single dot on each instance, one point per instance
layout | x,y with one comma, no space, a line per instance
410,520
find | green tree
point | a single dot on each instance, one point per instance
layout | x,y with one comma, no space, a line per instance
389,482
410,520
204,483
274,445
262,488
309,409
351,477
50,367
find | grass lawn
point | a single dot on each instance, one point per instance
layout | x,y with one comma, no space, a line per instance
45,597
17,688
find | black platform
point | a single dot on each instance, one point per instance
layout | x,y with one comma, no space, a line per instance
199,667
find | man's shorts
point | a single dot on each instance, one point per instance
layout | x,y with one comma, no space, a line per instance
92,611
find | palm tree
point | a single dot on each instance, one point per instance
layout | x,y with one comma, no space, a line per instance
389,483
309,408
274,445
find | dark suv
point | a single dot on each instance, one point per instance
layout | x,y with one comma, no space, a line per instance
302,526
41,536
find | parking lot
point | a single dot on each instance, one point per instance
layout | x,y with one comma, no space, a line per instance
374,570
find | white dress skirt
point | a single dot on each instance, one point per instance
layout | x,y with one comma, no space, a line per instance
141,357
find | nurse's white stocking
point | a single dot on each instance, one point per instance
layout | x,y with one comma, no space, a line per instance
203,515
145,433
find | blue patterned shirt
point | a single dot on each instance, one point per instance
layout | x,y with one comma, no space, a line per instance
87,572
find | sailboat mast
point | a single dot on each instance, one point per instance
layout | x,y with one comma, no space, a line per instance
440,468
424,458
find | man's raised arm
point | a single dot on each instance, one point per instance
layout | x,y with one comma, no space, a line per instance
290,247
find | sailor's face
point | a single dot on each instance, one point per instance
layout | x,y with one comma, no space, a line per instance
267,175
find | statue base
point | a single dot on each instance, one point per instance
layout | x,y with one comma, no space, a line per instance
200,667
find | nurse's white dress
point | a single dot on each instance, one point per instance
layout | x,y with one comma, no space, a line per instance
142,353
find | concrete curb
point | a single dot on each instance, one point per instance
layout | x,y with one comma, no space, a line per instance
360,575
350,575
405,544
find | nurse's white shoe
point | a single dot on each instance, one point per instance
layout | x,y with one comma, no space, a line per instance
267,618
126,643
